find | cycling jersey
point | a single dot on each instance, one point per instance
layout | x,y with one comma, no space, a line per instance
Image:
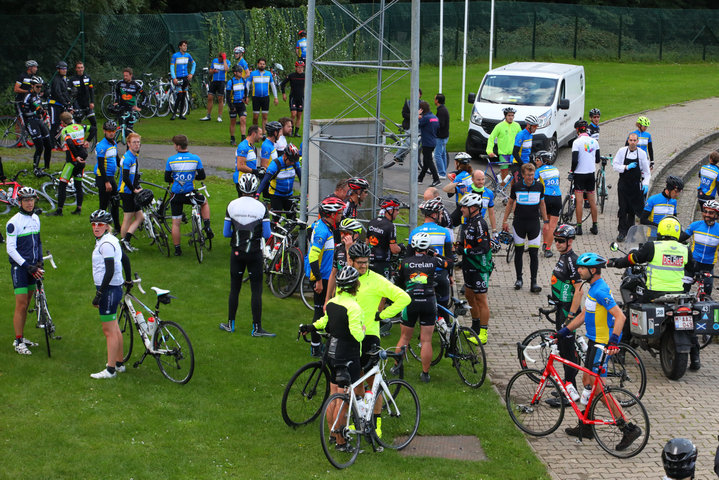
247,150
523,141
23,82
23,239
182,65
564,278
504,135
318,260
440,237
350,209
706,241
593,131
182,168
85,90
297,85
222,68
597,319
527,198
464,184
268,153
60,92
260,82
381,233
340,259
280,178
373,288
107,246
548,175
645,142
487,198
302,45
74,138
476,242
250,223
130,178
417,275
343,320
708,180
106,151
585,153
31,105
236,90
127,93
659,206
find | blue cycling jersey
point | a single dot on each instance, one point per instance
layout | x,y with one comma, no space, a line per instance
523,140
660,206
708,180
222,68
645,138
322,246
268,152
487,199
129,163
597,319
706,241
183,166
439,236
107,154
280,178
302,45
182,65
244,66
548,175
247,150
259,83
238,89
464,185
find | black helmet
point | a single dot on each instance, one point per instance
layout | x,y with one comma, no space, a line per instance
508,110
544,156
109,126
674,182
359,250
144,197
101,216
581,125
236,68
358,183
565,231
292,152
61,64
595,112
273,127
347,278
679,457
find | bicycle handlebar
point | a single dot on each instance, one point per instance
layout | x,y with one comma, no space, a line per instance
551,341
50,258
204,188
138,281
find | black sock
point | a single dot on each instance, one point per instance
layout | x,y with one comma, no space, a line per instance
110,369
119,364
128,237
61,195
243,137
475,325
206,223
232,137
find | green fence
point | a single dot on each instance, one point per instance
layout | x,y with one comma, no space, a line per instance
523,31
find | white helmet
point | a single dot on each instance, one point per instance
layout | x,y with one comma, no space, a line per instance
471,199
421,241
531,120
248,183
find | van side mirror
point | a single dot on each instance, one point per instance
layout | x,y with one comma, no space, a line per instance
472,97
564,104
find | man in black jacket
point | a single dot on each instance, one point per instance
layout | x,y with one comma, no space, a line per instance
440,148
60,99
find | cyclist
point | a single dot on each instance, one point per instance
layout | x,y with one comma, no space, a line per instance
604,321
350,230
105,168
445,219
108,264
441,159
296,80
268,151
259,83
428,126
301,45
318,260
75,146
341,190
247,222
33,112
477,262
502,140
239,53
645,139
285,132
382,237
585,154
182,69
127,94
181,170
679,457
60,99
279,179
246,156
24,248
632,165
359,189
85,99
133,216
478,187
417,276
236,92
526,200
662,204
523,146
23,85
708,175
548,176
460,183
705,239
218,69
593,128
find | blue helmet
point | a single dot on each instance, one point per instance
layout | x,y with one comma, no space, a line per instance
591,259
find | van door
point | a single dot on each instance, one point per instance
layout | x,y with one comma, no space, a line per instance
566,124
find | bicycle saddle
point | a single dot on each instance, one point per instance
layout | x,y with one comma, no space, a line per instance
160,291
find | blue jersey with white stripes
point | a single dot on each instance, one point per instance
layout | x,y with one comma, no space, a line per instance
523,140
222,68
644,139
708,180
706,241
660,206
259,83
302,45
439,236
106,152
183,166
548,175
182,65
237,88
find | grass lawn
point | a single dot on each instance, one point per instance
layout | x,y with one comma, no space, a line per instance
57,422
616,88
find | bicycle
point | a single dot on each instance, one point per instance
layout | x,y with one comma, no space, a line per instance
494,183
398,147
126,124
9,190
152,225
198,239
13,131
284,265
164,340
624,369
44,319
569,206
50,188
611,411
162,96
347,417
147,100
108,100
602,187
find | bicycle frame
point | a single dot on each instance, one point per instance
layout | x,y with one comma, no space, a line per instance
128,299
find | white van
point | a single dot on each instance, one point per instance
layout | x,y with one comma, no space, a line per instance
552,92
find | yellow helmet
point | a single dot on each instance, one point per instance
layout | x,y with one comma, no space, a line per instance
669,226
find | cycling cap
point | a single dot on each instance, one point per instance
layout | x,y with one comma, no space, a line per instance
711,205
544,156
350,225
421,241
531,120
292,152
591,259
273,127
26,192
674,182
595,112
101,216
679,457
669,226
643,121
508,110
248,183
359,250
431,206
581,125
299,63
389,202
301,32
358,183
61,64
347,277
463,158
31,63
109,126
565,231
332,205
239,49
471,199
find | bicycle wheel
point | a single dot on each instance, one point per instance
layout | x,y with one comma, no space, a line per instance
161,240
307,293
287,274
196,238
174,352
44,202
625,369
305,394
105,103
510,252
469,358
566,215
633,415
399,420
50,189
541,355
89,184
148,104
524,399
124,321
335,423
437,348
43,318
11,131
601,191
163,104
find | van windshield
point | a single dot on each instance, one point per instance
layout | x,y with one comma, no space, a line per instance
510,89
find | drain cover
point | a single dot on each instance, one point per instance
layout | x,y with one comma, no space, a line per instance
461,447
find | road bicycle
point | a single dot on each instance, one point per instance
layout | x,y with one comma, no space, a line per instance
494,182
284,264
619,421
13,132
347,418
126,125
108,100
162,96
624,369
50,188
396,146
602,189
569,206
456,342
153,223
9,190
44,319
166,341
198,238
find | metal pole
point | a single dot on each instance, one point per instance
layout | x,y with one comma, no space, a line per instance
491,31
413,116
463,100
304,190
378,110
441,41
82,32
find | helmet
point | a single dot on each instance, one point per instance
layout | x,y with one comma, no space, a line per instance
711,205
301,32
248,183
590,259
144,197
109,126
581,125
594,112
389,202
431,206
508,110
463,158
359,250
531,120
239,49
565,231
61,64
669,226
26,192
236,68
643,121
273,127
675,183
421,241
31,63
299,63
350,225
544,156
679,457
332,205
347,277
292,152
471,199
358,183
101,216
36,80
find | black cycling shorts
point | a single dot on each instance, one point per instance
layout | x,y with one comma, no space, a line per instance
182,84
36,128
584,182
179,200
370,343
238,109
296,104
128,203
261,104
591,362
355,368
217,87
527,230
475,280
553,203
422,309
382,267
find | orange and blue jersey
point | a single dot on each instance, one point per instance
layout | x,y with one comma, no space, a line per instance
597,319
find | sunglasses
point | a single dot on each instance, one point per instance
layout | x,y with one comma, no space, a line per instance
560,240
97,224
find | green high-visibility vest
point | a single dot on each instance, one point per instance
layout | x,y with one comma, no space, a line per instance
666,269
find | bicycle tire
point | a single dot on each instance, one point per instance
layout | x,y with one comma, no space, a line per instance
333,411
400,416
196,237
469,358
625,369
173,100
50,189
11,132
149,105
127,327
284,284
524,399
4,208
43,317
107,100
307,293
608,434
163,104
89,184
601,191
176,346
437,348
44,202
305,388
566,215
161,240
532,339
510,252
704,340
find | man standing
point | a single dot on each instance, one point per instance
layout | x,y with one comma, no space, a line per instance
662,204
382,237
133,216
593,128
31,107
182,68
296,80
440,149
443,219
585,154
709,179
644,139
105,168
85,99
59,98
523,147
22,85
259,83
503,136
428,127
632,164
279,179
236,92
548,176
479,187
301,46
218,69
246,156
239,53
73,139
127,93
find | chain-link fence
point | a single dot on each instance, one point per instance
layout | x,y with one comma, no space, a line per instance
107,43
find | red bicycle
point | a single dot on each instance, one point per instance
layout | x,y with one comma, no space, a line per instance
8,194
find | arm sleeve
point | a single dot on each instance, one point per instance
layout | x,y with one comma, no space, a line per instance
597,157
201,175
101,168
194,65
172,67
90,90
644,219
274,89
11,245
109,272
227,228
575,159
168,176
321,323
266,230
515,154
283,84
126,177
650,151
126,268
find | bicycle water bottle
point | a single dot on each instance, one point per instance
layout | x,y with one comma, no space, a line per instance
368,399
361,406
140,319
582,344
151,326
572,391
585,394
442,324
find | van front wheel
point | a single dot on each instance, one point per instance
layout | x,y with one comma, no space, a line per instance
553,148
